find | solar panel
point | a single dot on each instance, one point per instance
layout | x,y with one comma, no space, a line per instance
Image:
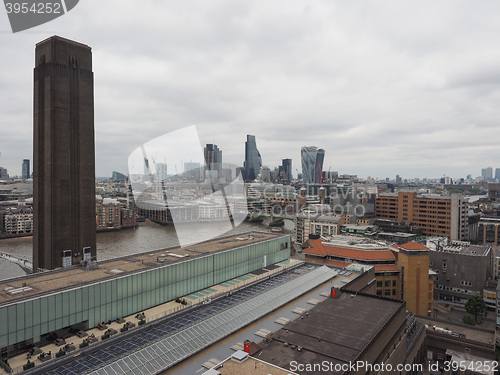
171,341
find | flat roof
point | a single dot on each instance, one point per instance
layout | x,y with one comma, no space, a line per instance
474,250
252,366
397,234
75,276
330,331
471,333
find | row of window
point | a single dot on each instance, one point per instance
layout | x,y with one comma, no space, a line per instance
386,292
452,289
387,283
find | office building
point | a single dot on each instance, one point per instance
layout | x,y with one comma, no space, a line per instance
253,160
3,173
213,161
26,169
64,161
161,172
434,215
213,157
312,164
287,169
487,173
462,270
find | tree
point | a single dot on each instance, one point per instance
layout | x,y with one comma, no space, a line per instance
476,307
468,319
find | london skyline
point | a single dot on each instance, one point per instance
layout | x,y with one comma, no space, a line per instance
384,89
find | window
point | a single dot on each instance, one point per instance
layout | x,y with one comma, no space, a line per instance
379,284
379,292
393,282
387,292
387,283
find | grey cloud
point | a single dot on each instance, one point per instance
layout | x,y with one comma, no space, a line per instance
378,85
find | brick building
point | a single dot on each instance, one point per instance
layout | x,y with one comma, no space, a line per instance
435,215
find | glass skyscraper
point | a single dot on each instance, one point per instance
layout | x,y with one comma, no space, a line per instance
287,168
213,157
253,160
312,164
26,169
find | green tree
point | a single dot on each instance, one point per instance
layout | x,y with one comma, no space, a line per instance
469,319
476,307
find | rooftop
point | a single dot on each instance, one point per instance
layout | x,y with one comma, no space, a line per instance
465,248
39,283
340,337
386,268
368,254
471,333
251,366
418,196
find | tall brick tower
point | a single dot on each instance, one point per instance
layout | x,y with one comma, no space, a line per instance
63,153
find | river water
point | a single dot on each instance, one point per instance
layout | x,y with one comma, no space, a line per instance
147,237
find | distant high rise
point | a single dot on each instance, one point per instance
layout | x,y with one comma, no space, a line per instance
497,174
161,172
3,173
287,168
26,169
253,160
312,164
213,157
63,154
487,173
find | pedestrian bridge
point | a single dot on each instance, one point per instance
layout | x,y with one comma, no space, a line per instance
25,264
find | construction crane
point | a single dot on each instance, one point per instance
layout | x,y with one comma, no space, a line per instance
147,170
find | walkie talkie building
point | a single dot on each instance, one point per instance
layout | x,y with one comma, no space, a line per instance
312,164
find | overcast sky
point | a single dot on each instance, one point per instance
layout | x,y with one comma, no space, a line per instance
385,87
